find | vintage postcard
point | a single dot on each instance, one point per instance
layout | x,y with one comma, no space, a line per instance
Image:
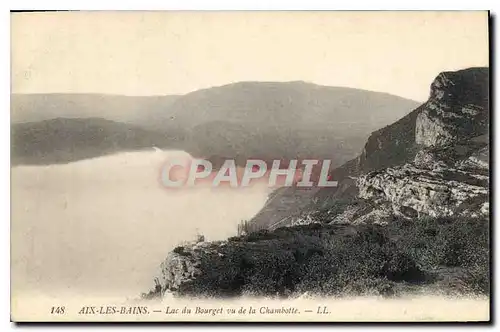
259,166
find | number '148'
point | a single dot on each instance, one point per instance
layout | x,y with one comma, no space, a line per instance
57,310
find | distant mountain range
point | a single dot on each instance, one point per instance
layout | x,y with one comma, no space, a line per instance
267,120
136,110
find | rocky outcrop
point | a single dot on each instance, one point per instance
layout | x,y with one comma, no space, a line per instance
433,163
449,173
335,259
472,154
414,192
181,266
223,266
285,261
478,161
456,109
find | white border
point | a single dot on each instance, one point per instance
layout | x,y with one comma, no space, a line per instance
185,5
252,5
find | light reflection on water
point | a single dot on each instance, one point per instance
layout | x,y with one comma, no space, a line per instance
104,225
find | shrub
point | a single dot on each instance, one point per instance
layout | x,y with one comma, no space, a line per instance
349,262
347,259
447,242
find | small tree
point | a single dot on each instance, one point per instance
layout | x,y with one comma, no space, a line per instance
199,237
243,228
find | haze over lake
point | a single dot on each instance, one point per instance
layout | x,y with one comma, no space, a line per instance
100,226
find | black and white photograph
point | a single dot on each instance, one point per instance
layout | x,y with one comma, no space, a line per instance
250,166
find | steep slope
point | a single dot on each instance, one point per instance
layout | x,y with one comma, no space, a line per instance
419,216
446,127
457,109
446,172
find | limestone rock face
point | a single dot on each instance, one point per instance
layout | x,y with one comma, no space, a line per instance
415,192
467,154
449,173
457,108
433,162
183,264
479,161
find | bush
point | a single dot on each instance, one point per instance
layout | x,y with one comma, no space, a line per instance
349,260
447,243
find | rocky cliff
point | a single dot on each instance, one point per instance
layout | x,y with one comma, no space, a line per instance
445,153
431,166
457,109
432,162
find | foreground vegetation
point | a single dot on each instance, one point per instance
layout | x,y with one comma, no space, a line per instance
447,255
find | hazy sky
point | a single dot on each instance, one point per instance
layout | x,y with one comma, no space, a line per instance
150,53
